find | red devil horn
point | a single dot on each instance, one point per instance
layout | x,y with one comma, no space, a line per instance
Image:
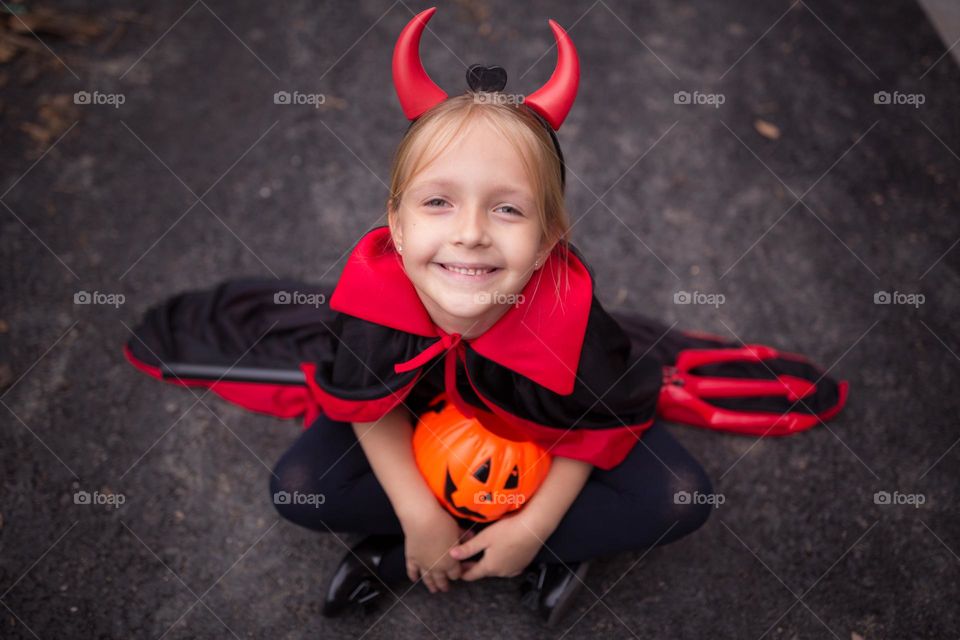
554,99
417,92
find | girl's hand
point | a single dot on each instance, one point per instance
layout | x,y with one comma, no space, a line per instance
508,546
428,539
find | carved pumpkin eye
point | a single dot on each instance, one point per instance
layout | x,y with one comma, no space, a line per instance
483,472
513,480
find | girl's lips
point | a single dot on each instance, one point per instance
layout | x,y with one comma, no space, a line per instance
463,277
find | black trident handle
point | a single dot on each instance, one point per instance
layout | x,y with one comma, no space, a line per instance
231,374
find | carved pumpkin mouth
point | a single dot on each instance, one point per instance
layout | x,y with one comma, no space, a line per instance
448,489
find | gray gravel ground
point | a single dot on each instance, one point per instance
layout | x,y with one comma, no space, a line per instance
694,198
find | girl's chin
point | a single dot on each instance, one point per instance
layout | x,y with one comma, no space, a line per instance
464,305
466,311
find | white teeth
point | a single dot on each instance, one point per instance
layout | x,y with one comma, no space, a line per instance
469,272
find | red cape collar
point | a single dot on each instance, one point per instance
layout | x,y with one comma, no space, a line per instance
539,338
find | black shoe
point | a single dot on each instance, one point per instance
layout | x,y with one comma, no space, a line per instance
355,581
549,588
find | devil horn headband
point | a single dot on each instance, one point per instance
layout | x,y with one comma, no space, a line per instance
417,92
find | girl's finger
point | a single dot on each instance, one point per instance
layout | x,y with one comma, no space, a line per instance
412,572
472,574
428,582
440,580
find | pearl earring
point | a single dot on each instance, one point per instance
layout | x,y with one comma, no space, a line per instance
399,248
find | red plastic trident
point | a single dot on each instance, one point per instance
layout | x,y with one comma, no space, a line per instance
684,396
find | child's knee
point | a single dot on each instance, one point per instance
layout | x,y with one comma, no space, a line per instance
297,494
692,497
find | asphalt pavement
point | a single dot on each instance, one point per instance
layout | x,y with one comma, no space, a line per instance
795,162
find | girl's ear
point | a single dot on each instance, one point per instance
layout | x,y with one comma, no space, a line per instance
396,233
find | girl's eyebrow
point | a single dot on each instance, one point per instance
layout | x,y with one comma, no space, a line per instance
509,190
438,183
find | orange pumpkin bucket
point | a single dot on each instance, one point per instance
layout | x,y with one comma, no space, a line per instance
475,474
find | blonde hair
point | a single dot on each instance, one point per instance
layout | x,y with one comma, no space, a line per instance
435,130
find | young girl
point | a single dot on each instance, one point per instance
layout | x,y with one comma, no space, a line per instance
474,290
478,227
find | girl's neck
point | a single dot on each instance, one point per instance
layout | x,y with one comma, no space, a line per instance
468,328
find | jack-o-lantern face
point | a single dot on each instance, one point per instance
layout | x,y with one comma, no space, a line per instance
474,473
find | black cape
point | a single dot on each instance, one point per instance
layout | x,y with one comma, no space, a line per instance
556,368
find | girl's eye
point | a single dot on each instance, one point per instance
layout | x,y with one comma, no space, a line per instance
440,202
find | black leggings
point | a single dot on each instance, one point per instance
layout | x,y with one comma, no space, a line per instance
627,508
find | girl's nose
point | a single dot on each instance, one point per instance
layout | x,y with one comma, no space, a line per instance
472,226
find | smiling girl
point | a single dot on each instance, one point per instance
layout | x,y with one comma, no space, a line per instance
474,290
475,217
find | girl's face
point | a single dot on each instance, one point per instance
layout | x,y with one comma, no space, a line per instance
469,232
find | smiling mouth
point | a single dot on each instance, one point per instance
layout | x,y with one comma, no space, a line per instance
469,272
